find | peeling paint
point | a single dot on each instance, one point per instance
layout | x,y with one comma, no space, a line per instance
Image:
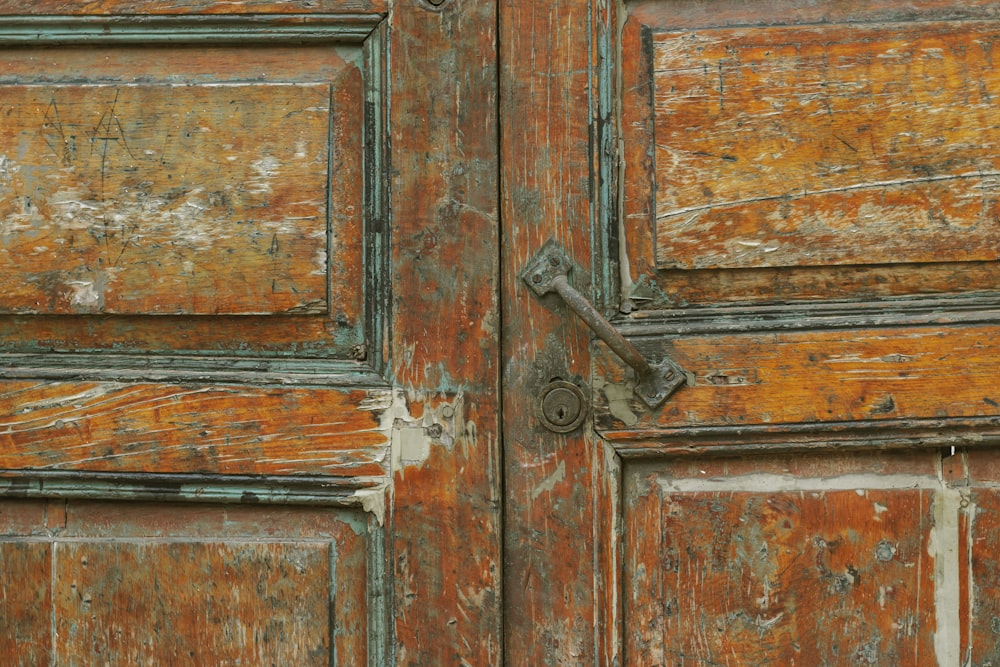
549,483
942,546
373,501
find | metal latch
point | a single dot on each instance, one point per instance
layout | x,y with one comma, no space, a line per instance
548,271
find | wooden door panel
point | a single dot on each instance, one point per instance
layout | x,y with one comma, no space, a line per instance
132,173
781,378
196,429
763,562
824,146
831,303
227,407
775,163
107,582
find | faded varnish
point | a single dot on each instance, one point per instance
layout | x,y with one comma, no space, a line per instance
813,146
125,199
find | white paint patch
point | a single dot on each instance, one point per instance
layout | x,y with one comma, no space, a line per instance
549,483
943,548
84,293
767,482
266,169
373,501
320,262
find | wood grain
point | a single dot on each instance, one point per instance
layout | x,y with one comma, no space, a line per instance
445,344
25,603
828,376
650,284
818,577
825,145
140,7
558,489
203,583
128,199
116,427
314,204
239,602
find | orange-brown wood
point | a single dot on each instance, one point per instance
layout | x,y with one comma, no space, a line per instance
445,346
104,213
975,475
114,582
873,252
236,602
25,603
777,577
128,198
118,427
557,487
427,444
825,145
141,7
835,376
809,357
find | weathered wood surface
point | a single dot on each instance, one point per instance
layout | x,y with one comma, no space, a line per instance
442,527
128,198
560,608
163,266
445,345
121,427
567,534
154,7
826,376
113,583
775,229
25,603
819,577
825,145
828,559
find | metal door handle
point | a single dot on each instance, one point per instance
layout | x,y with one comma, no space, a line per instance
548,271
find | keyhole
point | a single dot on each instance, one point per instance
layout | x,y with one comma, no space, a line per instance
563,406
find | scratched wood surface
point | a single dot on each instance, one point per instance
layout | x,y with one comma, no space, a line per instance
808,377
558,595
440,540
98,227
124,198
975,473
113,583
842,145
25,603
446,325
825,577
147,427
827,559
580,560
753,179
127,199
141,7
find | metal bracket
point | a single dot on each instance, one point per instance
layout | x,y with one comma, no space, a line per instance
548,272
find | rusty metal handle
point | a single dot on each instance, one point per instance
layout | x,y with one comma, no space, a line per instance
548,272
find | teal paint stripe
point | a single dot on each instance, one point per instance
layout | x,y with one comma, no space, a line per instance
21,30
328,493
156,368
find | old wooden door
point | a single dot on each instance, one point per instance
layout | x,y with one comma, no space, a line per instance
796,203
248,333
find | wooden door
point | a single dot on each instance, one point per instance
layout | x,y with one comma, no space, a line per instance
796,203
248,333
